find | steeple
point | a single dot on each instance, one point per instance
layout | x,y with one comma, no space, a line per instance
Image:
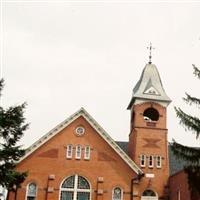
149,88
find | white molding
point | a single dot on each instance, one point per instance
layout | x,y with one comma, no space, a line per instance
78,153
87,151
152,165
69,149
149,175
82,112
144,156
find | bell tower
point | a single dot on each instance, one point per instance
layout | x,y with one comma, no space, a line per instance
148,145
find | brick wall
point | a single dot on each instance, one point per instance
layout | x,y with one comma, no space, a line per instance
50,159
179,186
150,139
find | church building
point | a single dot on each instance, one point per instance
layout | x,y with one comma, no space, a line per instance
79,160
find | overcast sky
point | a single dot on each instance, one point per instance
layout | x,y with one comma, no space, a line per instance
59,56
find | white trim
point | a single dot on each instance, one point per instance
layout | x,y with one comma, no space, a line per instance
69,151
82,112
143,158
78,152
159,159
151,165
149,175
87,152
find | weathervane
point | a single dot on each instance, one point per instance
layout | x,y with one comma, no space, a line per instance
150,49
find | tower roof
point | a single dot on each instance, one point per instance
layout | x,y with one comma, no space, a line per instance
149,87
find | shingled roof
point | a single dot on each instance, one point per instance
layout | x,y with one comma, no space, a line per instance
149,87
175,164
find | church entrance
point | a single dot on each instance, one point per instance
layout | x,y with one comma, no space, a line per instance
149,195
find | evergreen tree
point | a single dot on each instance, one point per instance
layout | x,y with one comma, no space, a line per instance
12,127
190,154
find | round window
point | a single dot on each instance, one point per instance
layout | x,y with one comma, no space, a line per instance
79,131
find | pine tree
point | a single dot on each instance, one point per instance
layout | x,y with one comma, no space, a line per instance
190,154
12,127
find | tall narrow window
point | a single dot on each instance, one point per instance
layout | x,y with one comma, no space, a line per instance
69,151
151,161
31,191
142,160
158,161
87,153
117,194
78,152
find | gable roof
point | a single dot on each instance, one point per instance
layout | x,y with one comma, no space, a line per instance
82,112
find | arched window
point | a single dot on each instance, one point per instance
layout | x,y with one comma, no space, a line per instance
158,161
149,195
69,151
31,191
75,188
142,160
151,161
87,153
78,151
117,194
151,114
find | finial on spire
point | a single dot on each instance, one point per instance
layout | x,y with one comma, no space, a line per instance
150,49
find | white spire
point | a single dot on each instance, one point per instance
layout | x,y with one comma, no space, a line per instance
149,87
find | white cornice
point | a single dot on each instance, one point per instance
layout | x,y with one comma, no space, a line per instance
82,112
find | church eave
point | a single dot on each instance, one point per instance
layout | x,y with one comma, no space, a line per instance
82,112
167,100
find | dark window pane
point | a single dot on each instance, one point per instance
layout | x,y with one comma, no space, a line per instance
30,198
149,193
66,195
83,196
83,183
69,182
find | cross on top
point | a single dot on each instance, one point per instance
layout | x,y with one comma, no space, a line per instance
150,49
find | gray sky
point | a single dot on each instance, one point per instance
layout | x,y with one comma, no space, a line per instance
59,56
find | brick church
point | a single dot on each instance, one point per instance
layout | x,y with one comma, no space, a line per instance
78,159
